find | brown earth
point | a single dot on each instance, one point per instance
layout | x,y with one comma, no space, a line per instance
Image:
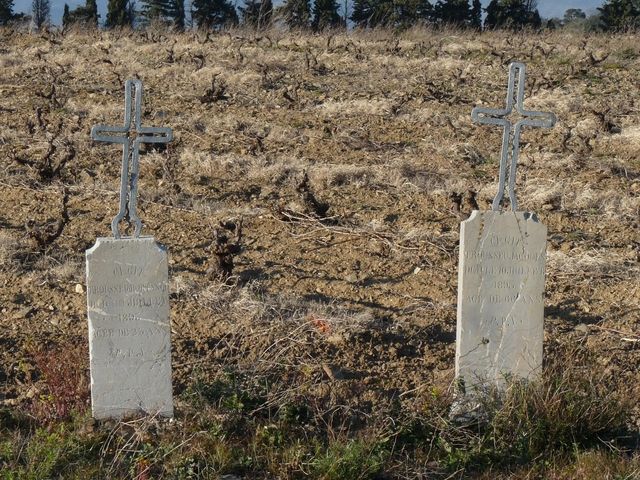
345,288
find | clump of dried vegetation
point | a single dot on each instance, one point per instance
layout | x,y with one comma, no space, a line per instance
311,202
237,422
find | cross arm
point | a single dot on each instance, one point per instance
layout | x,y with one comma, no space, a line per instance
155,135
99,133
490,116
538,119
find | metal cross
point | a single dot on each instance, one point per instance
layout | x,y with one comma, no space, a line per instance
511,134
133,137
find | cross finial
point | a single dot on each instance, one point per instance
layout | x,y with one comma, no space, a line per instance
511,145
134,136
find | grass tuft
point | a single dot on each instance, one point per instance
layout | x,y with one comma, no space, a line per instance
354,459
565,412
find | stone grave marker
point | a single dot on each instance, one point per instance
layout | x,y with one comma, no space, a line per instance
502,267
128,291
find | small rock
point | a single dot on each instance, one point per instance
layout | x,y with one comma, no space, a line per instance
351,278
333,372
336,339
23,313
79,288
88,427
417,270
582,328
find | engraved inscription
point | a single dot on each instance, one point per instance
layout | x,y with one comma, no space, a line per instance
126,269
129,331
500,296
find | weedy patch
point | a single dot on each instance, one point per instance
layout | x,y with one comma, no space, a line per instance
555,427
567,411
64,387
354,458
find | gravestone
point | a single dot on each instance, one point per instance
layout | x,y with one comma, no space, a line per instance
128,291
502,267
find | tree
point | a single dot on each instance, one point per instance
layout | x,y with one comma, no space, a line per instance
177,13
120,13
215,14
493,12
295,13
154,10
475,17
593,23
413,12
533,19
6,11
620,15
452,12
325,15
574,15
40,13
424,11
65,16
513,14
366,13
164,11
391,13
87,15
91,12
257,13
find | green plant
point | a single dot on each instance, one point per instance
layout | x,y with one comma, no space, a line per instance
565,411
351,459
628,53
227,393
270,435
43,455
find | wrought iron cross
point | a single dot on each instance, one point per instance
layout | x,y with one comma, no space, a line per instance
134,136
511,133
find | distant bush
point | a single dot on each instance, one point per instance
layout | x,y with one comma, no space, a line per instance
620,15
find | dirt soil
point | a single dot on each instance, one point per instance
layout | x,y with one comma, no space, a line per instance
350,162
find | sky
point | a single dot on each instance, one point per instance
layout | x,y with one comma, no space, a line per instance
547,8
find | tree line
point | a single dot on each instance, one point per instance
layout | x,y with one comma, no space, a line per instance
318,15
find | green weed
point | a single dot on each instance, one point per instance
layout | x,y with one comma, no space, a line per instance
352,459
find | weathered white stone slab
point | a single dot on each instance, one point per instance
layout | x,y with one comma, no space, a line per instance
129,330
500,297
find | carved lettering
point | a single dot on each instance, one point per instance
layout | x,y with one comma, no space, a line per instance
501,296
126,269
129,343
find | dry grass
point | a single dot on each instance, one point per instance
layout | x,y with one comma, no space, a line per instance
330,349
